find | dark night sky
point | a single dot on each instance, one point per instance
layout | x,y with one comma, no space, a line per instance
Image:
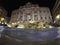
10,5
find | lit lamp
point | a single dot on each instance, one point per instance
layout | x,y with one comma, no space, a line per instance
31,21
58,19
5,22
44,27
58,16
13,23
2,19
21,26
50,26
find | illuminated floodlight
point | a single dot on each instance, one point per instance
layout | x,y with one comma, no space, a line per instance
5,22
50,26
2,19
58,16
2,23
13,23
31,21
44,27
20,26
8,25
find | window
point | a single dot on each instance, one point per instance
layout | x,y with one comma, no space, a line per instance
29,19
28,13
47,11
17,12
49,17
25,19
35,11
21,18
41,17
50,22
46,22
45,18
40,11
35,16
44,11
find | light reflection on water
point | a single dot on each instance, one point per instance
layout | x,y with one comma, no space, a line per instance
36,35
9,41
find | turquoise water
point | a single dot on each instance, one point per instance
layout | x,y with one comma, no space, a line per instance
33,34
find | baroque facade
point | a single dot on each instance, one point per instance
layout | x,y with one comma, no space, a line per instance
31,13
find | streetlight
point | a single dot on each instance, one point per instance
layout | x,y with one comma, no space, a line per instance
2,19
58,16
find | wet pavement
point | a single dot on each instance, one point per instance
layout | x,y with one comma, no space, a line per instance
8,41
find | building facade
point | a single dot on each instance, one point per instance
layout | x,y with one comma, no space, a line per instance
31,16
56,12
31,13
3,14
